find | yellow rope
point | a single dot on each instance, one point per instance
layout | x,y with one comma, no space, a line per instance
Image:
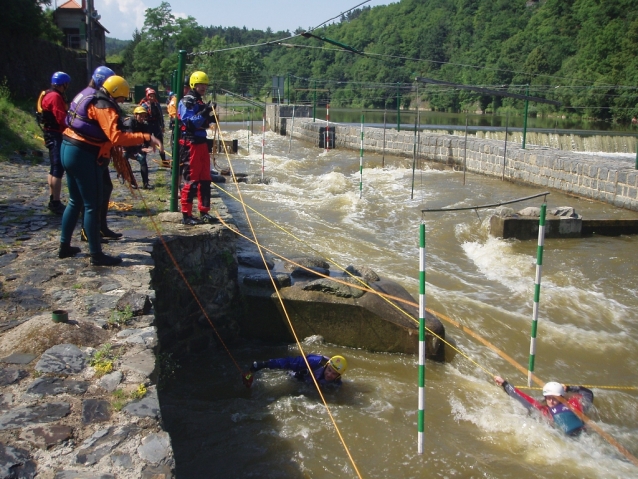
120,206
259,248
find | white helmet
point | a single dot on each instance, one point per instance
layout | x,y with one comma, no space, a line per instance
553,389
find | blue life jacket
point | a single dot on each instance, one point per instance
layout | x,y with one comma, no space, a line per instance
566,420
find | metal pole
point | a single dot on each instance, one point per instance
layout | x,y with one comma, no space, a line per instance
537,293
263,145
383,157
636,153
525,117
465,151
361,162
89,39
398,107
292,128
421,412
507,124
179,93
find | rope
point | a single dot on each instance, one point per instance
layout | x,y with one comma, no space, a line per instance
120,206
283,306
188,285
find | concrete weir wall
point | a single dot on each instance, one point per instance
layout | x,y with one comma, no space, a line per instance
604,178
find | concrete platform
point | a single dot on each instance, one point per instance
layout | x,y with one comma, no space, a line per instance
526,227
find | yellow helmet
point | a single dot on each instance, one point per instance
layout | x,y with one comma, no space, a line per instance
198,77
140,110
339,364
116,86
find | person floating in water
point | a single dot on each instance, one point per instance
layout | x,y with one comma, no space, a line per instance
326,370
557,406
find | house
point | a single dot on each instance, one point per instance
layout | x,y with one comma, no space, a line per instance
82,31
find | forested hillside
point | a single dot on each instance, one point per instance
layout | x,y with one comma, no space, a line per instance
579,52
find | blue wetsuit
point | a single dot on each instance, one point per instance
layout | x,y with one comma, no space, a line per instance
298,366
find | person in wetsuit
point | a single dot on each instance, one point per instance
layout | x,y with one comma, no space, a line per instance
557,408
326,370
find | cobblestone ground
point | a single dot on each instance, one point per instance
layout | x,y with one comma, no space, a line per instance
78,399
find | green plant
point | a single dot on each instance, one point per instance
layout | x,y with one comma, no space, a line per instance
140,392
77,286
103,360
120,318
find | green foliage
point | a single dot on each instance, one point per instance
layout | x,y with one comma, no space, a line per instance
577,52
115,46
18,128
120,318
103,360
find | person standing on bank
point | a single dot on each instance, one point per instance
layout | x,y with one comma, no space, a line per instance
138,153
195,117
557,408
94,126
53,106
155,120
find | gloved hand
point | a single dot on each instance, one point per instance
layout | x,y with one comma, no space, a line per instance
207,111
257,365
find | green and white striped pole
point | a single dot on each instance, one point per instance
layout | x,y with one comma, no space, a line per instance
537,293
361,162
421,413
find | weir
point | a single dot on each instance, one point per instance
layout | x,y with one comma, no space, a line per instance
602,178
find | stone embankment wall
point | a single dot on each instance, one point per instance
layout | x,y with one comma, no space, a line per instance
609,179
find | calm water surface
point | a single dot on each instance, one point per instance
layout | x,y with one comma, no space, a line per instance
588,333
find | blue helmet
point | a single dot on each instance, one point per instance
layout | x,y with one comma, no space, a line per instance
100,74
170,94
60,78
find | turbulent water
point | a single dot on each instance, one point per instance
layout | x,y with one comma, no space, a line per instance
587,334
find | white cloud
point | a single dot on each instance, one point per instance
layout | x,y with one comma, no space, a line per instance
121,17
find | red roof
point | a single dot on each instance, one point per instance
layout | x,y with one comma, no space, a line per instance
71,4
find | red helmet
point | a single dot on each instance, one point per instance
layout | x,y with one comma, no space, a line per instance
150,91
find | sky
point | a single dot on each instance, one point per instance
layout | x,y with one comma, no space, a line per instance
121,17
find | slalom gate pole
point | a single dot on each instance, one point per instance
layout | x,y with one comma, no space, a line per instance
179,93
421,412
292,127
413,158
361,162
537,293
507,124
525,118
263,144
383,157
465,151
326,147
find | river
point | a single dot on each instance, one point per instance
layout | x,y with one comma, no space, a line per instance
587,334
